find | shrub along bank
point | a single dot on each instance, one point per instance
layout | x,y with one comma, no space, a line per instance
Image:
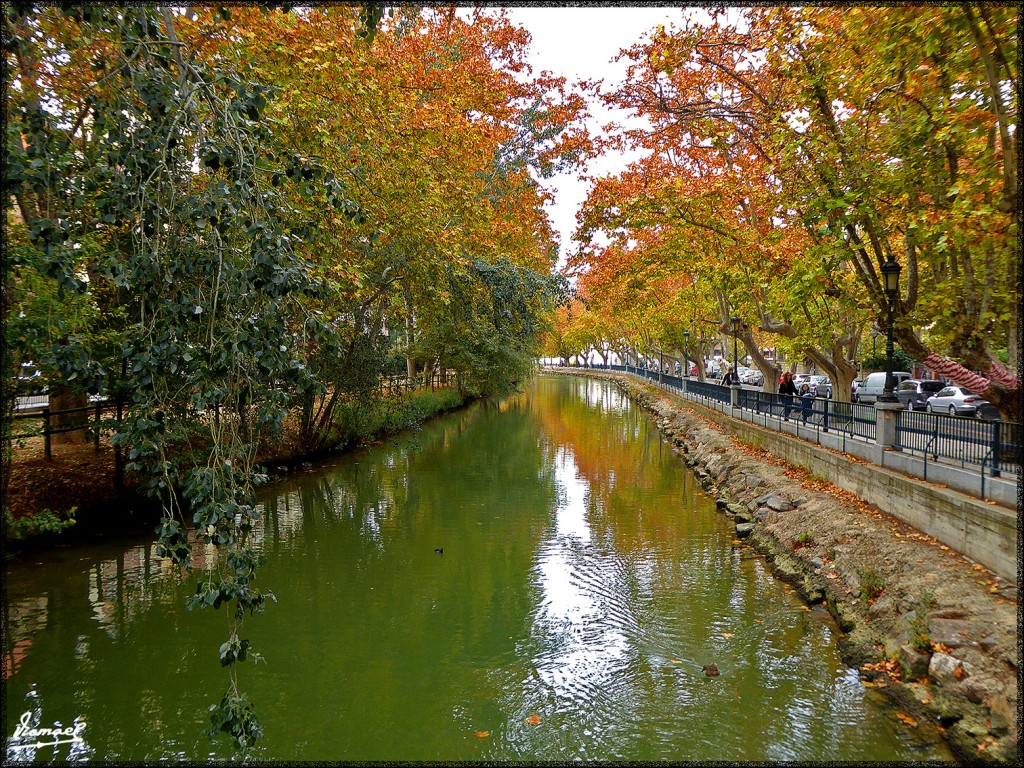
75,495
931,629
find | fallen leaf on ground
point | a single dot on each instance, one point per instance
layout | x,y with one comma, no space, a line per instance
906,719
675,661
727,634
533,720
481,734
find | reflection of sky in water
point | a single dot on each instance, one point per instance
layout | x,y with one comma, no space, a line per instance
572,498
578,626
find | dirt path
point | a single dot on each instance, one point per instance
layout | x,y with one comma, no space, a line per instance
936,631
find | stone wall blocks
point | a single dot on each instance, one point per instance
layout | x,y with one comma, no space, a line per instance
945,669
913,662
1002,717
743,530
778,503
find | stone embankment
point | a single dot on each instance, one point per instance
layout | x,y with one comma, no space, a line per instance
935,631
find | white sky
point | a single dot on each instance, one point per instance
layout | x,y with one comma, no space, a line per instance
579,43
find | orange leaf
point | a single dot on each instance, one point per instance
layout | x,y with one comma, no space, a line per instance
533,720
727,634
481,734
675,661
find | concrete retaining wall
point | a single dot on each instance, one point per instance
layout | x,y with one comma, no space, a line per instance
984,532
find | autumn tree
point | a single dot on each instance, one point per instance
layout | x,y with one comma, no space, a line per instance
883,134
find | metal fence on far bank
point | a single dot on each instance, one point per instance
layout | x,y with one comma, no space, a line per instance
991,446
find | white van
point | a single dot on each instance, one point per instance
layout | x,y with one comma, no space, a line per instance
873,385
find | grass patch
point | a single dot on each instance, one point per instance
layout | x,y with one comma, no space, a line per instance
920,633
871,582
357,421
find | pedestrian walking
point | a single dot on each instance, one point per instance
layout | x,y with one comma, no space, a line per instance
786,391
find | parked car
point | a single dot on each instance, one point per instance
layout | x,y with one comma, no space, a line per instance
875,383
821,386
753,377
914,393
988,412
854,388
956,401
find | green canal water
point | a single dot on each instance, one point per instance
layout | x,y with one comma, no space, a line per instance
584,582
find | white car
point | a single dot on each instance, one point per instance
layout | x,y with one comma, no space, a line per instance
956,401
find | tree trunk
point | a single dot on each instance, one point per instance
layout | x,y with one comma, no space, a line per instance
62,399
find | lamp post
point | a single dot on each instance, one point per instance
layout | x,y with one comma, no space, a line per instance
891,275
735,355
686,352
874,338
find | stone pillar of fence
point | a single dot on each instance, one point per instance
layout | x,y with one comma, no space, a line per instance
734,395
887,416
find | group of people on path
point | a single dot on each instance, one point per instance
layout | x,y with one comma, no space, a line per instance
787,389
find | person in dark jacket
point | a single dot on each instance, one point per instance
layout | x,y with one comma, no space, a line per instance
786,391
806,401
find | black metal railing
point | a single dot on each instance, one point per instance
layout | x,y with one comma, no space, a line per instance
992,446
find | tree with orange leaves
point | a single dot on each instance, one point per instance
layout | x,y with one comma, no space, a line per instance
882,135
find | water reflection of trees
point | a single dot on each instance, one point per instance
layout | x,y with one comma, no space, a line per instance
371,620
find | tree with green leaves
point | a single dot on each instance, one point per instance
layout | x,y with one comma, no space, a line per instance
145,179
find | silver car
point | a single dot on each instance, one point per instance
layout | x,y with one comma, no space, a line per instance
821,386
956,401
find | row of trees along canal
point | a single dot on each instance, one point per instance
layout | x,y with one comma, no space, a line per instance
247,210
789,154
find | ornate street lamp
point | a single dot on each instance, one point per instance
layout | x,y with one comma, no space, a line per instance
891,275
686,352
735,355
874,338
